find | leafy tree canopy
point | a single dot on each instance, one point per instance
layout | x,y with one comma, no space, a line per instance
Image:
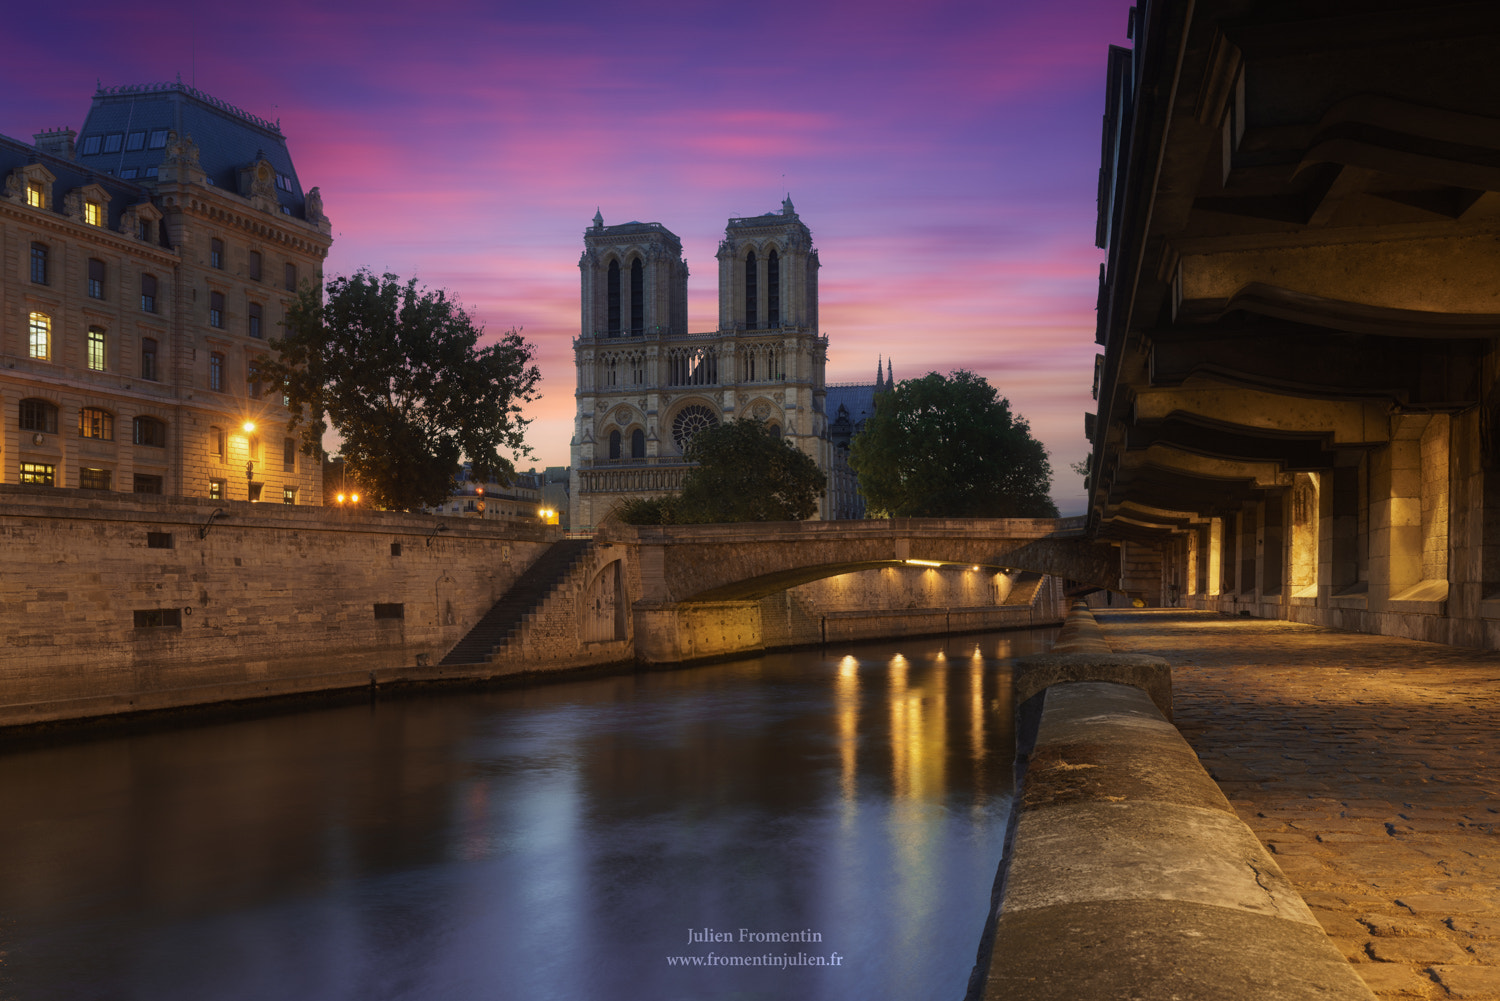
397,372
744,473
949,447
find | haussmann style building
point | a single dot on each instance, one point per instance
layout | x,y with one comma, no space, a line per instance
147,260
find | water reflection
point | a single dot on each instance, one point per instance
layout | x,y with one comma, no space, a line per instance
556,842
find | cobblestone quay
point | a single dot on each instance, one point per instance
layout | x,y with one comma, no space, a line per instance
1369,766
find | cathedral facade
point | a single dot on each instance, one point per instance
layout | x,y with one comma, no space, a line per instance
646,384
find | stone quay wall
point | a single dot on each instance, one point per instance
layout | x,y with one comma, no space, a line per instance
112,603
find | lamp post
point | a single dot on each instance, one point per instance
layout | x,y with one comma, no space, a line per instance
249,427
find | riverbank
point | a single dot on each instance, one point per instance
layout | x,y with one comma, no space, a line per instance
1370,768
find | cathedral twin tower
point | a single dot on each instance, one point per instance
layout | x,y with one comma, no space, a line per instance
646,385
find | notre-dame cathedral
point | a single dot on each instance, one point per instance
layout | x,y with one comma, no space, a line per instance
646,385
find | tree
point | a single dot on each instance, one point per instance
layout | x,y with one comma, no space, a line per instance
744,472
397,372
949,447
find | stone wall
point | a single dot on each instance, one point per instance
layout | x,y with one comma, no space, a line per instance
119,603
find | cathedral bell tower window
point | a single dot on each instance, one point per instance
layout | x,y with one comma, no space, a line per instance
637,299
773,290
614,299
752,294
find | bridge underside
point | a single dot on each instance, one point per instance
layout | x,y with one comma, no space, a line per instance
769,584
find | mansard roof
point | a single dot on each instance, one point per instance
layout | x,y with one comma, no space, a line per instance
227,137
70,175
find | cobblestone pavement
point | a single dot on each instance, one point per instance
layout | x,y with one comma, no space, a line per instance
1369,766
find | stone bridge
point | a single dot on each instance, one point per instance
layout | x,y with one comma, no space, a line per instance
709,563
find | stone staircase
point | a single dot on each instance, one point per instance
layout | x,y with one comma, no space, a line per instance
1023,589
505,619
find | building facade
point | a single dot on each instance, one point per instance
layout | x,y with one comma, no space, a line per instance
646,384
146,260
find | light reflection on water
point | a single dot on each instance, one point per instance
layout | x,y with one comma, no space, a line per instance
555,842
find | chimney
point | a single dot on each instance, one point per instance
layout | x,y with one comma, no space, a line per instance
58,142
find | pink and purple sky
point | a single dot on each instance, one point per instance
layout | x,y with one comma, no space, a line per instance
944,154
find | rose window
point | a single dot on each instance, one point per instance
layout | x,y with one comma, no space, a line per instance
688,422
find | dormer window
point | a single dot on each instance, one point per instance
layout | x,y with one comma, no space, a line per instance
93,213
36,195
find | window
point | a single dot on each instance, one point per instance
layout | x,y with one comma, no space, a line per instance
289,454
216,371
219,442
773,290
93,213
614,444
152,432
135,142
288,495
96,347
148,293
96,278
637,298
254,266
39,263
36,195
130,173
96,423
216,309
112,142
252,378
148,358
255,489
752,293
147,484
252,319
38,415
158,618
637,444
688,422
158,139
91,146
216,253
394,610
216,490
39,343
289,275
159,540
614,299
41,474
151,172
94,479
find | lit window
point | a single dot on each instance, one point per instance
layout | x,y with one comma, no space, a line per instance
288,495
96,423
216,253
96,349
148,358
135,142
93,213
254,266
91,146
216,490
158,139
39,263
41,474
148,293
96,278
112,142
152,432
216,309
36,195
94,479
253,315
38,415
216,372
40,344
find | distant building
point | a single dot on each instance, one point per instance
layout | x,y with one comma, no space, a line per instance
646,384
154,253
519,500
849,405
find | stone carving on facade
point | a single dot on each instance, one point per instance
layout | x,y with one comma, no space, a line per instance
181,150
15,184
314,205
624,415
761,410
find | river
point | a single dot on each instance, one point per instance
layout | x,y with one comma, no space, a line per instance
592,839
